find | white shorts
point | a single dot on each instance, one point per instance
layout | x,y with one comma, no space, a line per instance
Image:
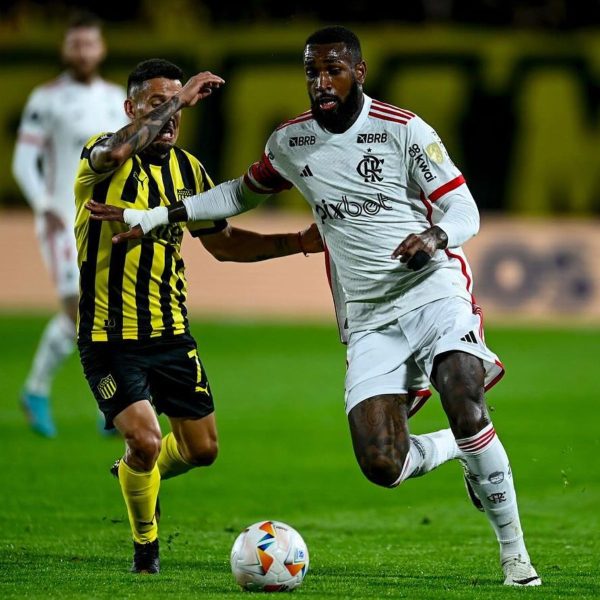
398,357
59,252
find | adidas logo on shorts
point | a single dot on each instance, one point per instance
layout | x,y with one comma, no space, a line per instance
469,337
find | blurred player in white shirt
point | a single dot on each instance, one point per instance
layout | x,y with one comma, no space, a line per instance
57,120
393,211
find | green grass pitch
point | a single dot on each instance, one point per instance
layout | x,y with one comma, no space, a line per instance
285,454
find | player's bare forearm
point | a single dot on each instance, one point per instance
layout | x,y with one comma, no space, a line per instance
249,246
240,245
133,138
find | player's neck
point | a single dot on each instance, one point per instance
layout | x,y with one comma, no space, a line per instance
153,157
83,78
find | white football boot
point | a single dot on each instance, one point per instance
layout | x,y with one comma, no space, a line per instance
520,572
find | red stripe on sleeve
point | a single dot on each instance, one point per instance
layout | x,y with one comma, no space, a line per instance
265,174
447,187
377,115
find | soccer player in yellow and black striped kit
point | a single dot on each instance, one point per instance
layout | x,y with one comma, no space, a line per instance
135,347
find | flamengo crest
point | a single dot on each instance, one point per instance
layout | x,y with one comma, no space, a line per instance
369,168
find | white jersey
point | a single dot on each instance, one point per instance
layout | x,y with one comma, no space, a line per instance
58,119
384,178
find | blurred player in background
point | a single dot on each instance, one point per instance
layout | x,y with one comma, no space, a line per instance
133,336
376,175
59,117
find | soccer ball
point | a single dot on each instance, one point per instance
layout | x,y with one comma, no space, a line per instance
269,556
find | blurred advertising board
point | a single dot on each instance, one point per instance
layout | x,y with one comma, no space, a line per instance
537,269
526,271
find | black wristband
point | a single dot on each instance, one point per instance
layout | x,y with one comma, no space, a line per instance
177,213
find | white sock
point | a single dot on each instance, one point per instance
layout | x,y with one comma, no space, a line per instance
427,452
57,342
490,476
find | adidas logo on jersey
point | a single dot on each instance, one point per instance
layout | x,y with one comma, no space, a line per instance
306,172
469,337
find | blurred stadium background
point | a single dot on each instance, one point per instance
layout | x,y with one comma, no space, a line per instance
513,88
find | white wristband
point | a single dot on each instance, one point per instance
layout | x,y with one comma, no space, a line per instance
132,216
146,219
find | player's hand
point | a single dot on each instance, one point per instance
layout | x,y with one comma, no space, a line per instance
199,87
52,222
104,212
310,239
417,249
135,233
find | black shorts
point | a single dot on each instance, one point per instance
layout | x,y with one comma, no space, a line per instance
168,373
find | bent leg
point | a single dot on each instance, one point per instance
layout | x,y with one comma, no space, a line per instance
459,378
138,474
385,451
192,443
379,430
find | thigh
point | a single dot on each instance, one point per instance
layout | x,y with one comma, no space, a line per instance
380,362
137,419
450,325
117,377
459,378
178,381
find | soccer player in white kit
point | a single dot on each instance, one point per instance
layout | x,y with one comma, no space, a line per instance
376,175
58,119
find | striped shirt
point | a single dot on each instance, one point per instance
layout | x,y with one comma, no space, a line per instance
135,290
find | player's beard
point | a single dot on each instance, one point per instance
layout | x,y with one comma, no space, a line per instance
343,115
158,149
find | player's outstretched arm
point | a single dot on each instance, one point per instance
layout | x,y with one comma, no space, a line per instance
225,200
133,138
241,245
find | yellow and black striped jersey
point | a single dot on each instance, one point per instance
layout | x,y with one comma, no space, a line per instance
135,290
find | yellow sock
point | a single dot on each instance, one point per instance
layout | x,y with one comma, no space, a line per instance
140,490
170,462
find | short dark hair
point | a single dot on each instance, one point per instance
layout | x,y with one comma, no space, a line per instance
83,18
337,34
150,69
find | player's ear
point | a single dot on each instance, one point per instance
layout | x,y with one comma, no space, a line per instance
129,108
360,71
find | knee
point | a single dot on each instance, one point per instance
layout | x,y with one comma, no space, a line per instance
382,469
143,448
469,423
202,455
467,415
